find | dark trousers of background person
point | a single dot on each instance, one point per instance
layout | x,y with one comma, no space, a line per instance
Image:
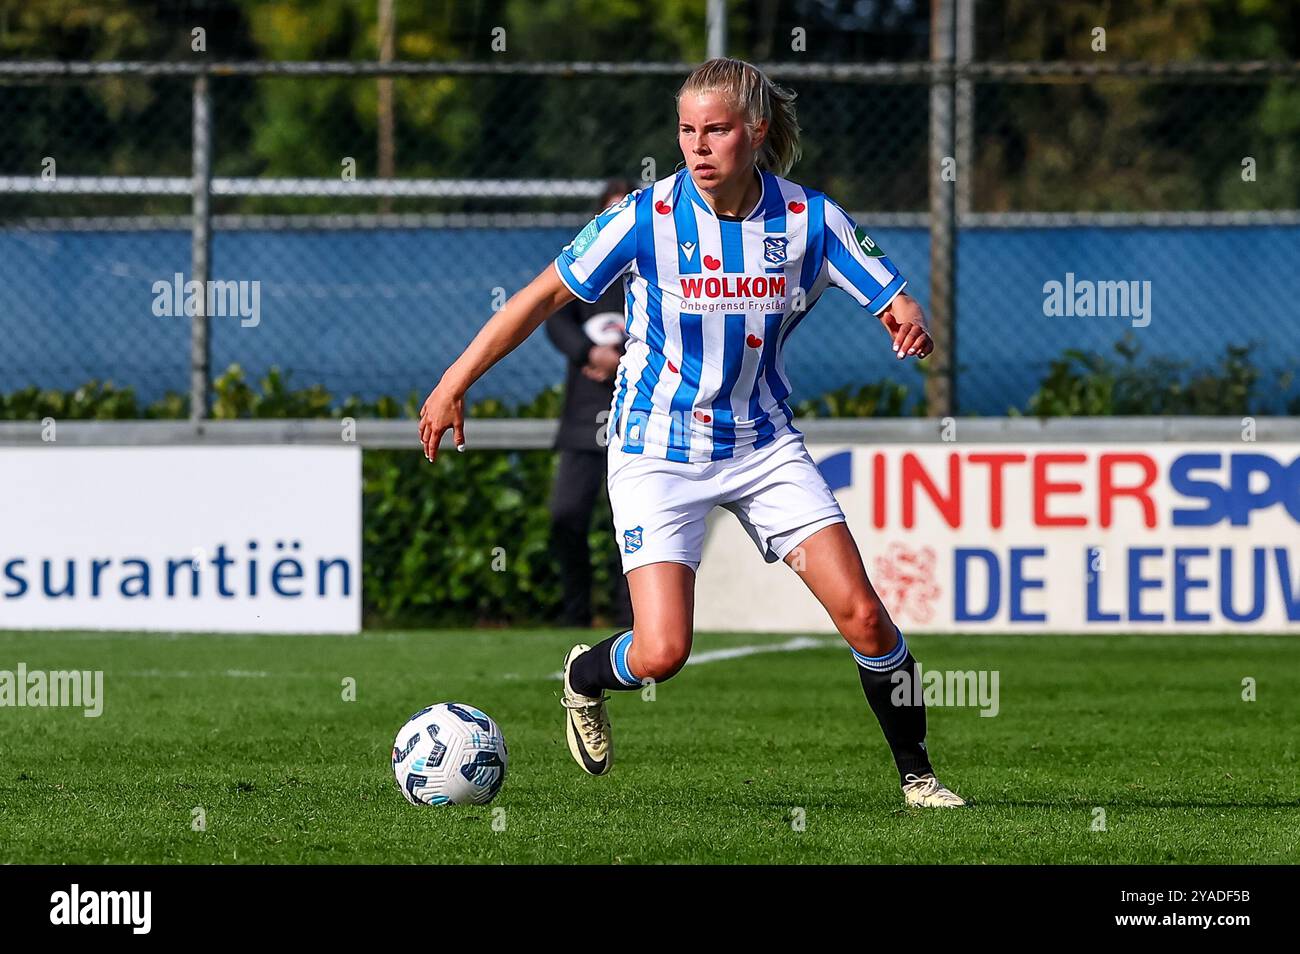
579,477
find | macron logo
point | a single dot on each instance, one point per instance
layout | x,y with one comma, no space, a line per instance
103,907
688,249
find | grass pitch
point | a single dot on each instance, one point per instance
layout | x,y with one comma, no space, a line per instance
254,731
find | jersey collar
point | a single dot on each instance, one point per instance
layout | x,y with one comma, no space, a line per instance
698,199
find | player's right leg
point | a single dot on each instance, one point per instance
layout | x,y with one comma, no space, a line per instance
663,609
659,508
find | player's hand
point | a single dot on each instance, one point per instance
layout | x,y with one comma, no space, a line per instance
441,410
905,322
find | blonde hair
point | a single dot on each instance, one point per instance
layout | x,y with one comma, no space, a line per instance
757,98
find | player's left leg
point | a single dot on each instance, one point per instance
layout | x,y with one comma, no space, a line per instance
785,505
829,563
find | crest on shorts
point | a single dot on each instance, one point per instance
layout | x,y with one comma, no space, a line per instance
632,540
774,250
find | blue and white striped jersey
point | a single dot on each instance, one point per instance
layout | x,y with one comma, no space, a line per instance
709,305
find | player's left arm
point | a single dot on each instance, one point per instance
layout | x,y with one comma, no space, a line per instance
860,267
905,321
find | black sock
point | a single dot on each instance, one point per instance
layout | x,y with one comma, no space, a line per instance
604,666
903,725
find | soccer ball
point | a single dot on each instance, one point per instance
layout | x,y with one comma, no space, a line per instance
449,754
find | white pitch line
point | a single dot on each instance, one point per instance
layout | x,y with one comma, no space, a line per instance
793,645
789,646
189,674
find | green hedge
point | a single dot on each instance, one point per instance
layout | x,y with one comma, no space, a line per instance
466,540
1087,384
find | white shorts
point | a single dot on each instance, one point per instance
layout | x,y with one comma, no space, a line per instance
659,506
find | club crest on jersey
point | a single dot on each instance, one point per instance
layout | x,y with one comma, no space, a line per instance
774,250
632,540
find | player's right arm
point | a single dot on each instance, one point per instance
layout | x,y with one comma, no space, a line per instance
599,254
506,330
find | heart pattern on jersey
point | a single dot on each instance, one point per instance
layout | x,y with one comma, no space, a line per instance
671,367
753,341
711,262
662,207
796,207
701,416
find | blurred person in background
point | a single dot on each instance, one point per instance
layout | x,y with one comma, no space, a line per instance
591,336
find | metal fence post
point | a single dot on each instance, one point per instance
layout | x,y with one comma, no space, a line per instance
941,384
201,247
387,147
716,25
964,118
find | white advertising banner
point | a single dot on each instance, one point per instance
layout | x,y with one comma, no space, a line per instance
1071,538
233,539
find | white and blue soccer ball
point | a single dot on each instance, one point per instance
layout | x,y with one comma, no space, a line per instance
450,754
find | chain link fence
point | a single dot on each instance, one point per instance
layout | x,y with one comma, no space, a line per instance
365,220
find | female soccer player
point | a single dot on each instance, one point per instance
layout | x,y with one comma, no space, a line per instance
720,263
